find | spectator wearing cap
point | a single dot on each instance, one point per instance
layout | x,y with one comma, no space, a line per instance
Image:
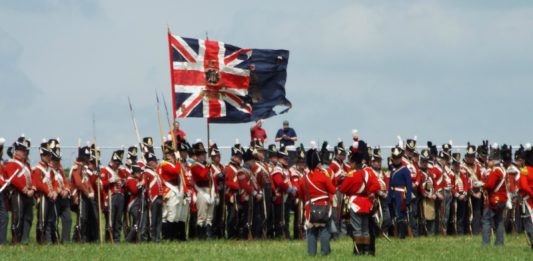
257,132
286,136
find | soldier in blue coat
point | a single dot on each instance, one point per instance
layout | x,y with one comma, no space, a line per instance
400,188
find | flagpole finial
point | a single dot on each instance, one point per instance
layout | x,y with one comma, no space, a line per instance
168,28
206,35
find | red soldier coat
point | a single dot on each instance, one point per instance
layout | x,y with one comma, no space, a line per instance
171,176
320,188
79,182
43,179
360,185
22,171
154,184
438,177
201,174
132,186
337,170
232,182
495,186
281,181
462,186
525,187
247,184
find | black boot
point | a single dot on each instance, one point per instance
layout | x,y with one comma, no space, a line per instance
209,232
180,227
201,232
402,227
164,231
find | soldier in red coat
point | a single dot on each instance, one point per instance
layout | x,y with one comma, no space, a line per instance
84,197
297,172
380,216
217,172
154,186
17,173
282,188
513,222
136,206
204,186
361,186
525,188
250,196
337,170
232,191
175,193
496,194
315,188
473,172
427,193
46,195
261,171
113,181
63,191
409,161
4,216
460,194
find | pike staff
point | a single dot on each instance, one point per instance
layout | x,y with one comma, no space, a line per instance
136,128
97,158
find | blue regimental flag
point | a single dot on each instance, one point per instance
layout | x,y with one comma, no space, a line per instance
225,83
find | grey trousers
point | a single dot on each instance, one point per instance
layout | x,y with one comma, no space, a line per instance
117,201
312,236
21,216
139,217
413,215
493,216
46,221
3,219
360,224
387,220
156,217
447,206
63,212
528,225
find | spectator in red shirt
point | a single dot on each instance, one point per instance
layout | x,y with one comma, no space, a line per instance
258,133
179,134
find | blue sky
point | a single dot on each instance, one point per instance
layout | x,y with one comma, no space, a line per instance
441,70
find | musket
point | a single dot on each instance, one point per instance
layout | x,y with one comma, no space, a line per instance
40,223
264,229
250,217
300,220
161,133
470,214
98,189
141,217
282,221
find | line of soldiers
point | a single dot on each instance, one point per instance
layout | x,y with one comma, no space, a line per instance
190,194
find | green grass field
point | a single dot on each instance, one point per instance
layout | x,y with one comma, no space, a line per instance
432,248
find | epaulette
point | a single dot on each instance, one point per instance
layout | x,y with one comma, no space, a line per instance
524,171
350,174
164,163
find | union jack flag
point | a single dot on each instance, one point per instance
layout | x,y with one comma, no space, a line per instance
210,79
